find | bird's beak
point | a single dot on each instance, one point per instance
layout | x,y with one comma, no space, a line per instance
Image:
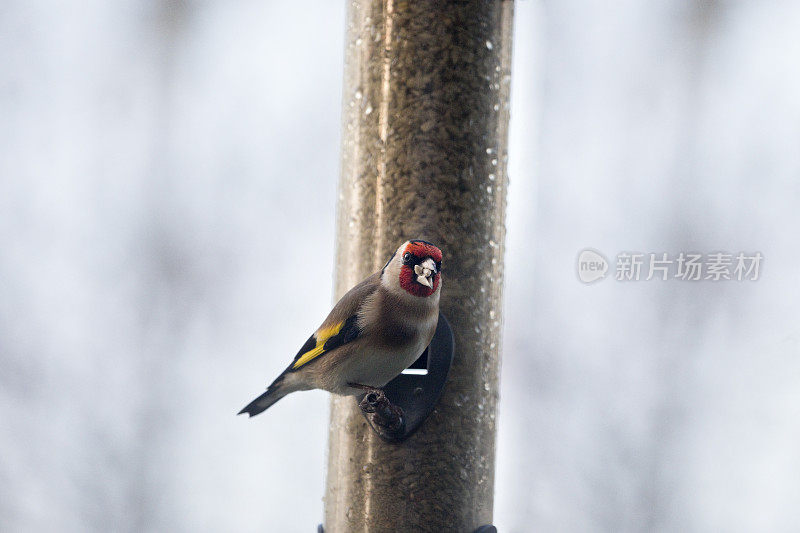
425,272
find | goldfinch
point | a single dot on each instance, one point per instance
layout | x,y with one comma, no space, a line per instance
373,333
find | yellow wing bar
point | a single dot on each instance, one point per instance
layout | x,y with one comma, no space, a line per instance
321,336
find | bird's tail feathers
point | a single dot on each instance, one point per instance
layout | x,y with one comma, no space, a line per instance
275,392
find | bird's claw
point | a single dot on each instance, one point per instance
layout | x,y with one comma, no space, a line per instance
382,412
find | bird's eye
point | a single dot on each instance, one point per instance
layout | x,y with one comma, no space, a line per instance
406,257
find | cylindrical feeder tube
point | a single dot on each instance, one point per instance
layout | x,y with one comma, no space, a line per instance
424,156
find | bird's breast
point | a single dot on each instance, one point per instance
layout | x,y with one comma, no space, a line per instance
398,349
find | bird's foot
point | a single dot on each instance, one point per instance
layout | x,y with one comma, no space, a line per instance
380,410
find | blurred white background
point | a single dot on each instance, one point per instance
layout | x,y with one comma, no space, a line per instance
168,182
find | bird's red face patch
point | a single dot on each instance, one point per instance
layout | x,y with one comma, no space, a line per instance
424,249
414,254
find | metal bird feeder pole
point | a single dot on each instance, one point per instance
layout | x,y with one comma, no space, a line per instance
426,90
